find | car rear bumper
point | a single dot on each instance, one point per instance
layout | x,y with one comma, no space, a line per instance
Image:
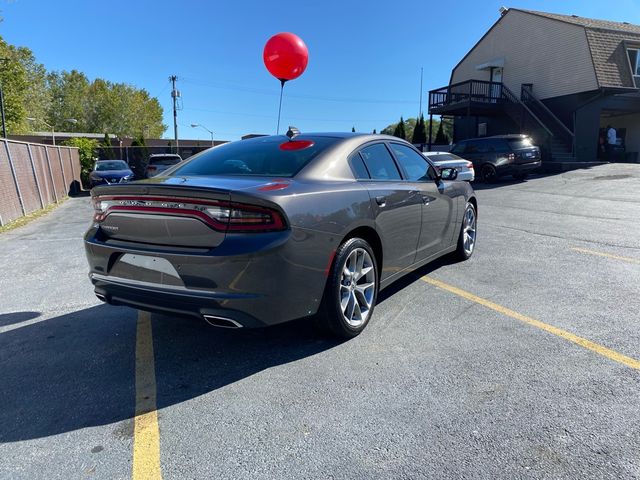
252,279
515,168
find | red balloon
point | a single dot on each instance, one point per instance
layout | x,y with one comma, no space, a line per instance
285,56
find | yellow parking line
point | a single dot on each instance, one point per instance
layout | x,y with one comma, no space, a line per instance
583,342
146,433
608,255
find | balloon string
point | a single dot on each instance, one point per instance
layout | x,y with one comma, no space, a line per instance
280,107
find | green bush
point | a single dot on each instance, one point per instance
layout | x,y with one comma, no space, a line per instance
87,148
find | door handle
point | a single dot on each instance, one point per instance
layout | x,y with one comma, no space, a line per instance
382,201
427,199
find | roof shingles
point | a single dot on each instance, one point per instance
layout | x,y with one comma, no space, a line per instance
607,43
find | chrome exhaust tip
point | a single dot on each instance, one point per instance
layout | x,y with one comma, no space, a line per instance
221,322
102,297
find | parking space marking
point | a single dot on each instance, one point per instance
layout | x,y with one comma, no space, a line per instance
607,255
146,433
583,342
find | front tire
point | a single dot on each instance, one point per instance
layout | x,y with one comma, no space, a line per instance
352,290
468,232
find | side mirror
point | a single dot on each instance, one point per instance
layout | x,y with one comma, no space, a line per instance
448,173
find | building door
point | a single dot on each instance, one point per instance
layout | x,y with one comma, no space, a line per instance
496,84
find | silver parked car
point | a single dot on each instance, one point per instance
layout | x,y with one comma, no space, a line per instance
160,162
449,160
262,231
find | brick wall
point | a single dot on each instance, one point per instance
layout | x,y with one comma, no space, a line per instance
33,176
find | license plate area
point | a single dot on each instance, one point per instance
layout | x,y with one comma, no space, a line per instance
146,268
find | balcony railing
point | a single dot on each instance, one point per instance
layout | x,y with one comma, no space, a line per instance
470,91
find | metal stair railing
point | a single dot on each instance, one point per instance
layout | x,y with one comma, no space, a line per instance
528,97
511,97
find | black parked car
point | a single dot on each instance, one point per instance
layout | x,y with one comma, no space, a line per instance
500,155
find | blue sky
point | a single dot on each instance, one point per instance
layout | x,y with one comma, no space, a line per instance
364,66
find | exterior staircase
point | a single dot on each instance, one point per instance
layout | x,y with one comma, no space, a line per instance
532,116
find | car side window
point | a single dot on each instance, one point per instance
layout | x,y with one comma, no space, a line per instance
459,147
496,146
414,164
472,147
358,167
379,162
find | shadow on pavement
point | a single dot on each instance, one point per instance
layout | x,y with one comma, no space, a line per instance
506,181
17,317
78,370
411,278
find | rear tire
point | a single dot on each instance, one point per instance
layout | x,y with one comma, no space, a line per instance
488,173
352,290
468,232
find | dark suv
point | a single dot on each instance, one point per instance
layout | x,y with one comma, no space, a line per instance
500,155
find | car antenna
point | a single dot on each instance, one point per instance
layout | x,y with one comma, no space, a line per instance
292,132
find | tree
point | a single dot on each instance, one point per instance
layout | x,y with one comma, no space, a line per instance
55,97
353,129
399,131
419,136
408,126
14,78
411,124
70,98
441,137
139,155
374,131
88,151
108,152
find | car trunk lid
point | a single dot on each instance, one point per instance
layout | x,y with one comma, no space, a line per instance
178,211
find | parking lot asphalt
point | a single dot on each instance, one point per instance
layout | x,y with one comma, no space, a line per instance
463,372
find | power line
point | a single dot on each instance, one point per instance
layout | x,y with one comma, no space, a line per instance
310,119
302,96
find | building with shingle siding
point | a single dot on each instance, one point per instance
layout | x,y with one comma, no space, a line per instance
559,78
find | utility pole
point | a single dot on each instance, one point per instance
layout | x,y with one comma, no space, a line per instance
4,122
174,95
420,112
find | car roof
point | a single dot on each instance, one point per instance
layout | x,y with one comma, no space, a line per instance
111,160
507,136
164,155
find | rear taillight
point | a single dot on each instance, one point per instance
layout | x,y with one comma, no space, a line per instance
151,168
469,165
219,215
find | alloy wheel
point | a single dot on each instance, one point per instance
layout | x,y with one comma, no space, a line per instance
357,287
469,231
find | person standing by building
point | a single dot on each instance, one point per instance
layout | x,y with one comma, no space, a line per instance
612,140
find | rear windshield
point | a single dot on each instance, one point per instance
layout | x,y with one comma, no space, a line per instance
114,165
442,157
517,143
164,161
263,157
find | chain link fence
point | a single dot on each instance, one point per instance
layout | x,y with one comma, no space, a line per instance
137,157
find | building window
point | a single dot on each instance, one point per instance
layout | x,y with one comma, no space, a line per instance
634,60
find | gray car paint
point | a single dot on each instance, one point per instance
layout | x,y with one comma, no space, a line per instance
267,278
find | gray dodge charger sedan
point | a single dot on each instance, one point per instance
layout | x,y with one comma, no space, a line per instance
262,231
